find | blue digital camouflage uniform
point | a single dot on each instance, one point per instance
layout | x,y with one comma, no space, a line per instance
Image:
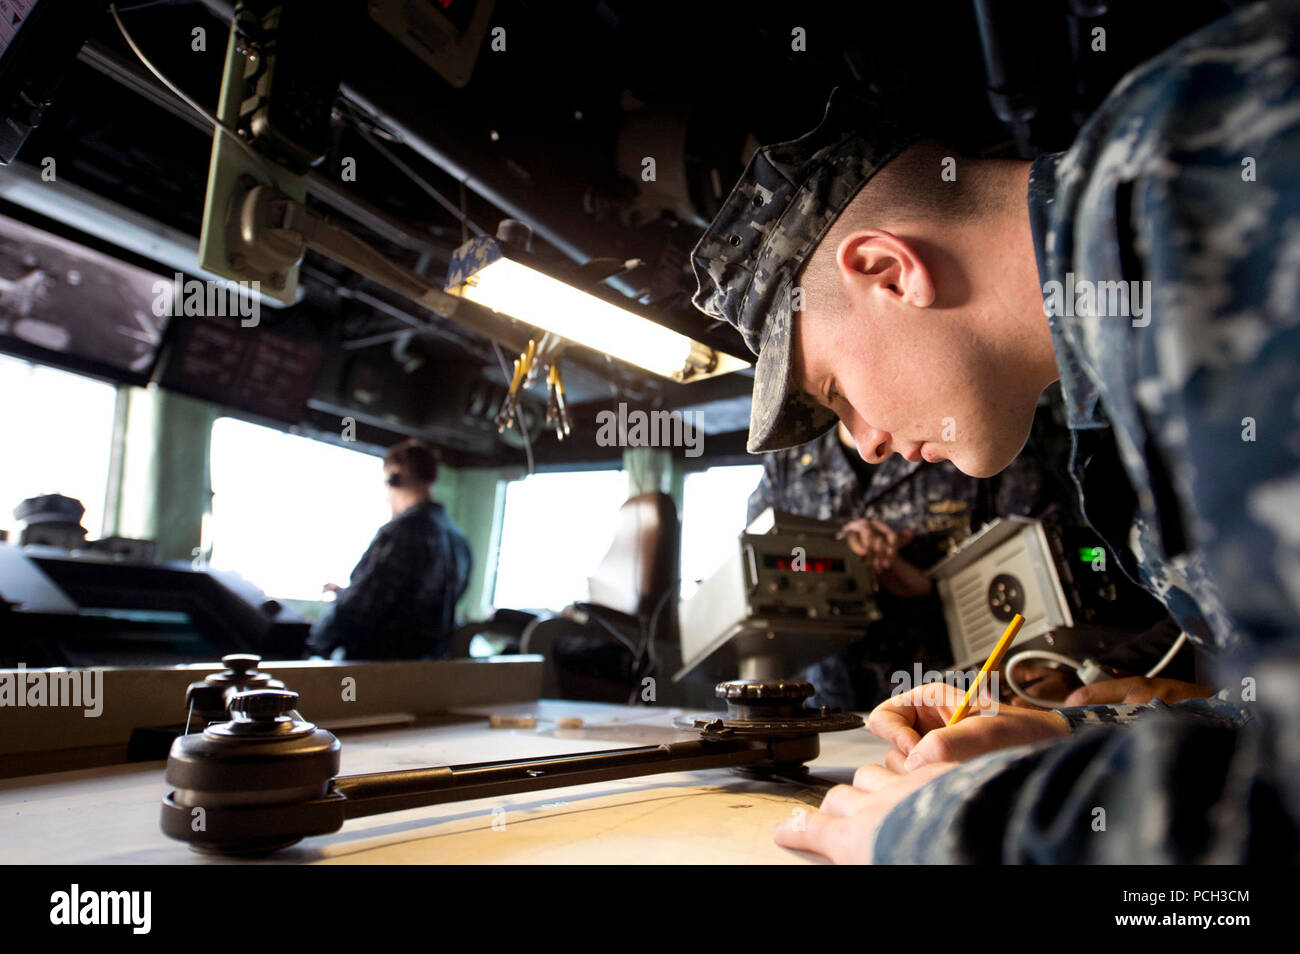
1187,177
401,600
939,503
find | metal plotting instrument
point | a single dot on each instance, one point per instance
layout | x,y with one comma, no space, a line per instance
557,407
267,778
506,417
527,369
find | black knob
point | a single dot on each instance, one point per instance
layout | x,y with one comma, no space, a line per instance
775,690
241,663
264,703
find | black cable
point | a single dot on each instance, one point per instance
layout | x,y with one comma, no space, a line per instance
153,3
653,634
610,628
415,178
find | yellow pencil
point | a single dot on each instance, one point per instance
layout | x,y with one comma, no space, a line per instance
994,660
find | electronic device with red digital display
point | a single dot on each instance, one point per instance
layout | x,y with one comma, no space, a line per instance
788,595
804,563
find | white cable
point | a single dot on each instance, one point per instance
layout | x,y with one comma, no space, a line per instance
1048,655
1089,671
179,93
1169,656
1035,654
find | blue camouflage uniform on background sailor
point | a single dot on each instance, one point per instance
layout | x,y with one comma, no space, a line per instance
937,502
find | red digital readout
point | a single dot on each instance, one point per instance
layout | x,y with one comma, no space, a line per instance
812,565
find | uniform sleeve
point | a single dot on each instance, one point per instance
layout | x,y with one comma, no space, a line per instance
333,630
1219,710
1081,717
384,579
1137,796
947,821
395,563
463,559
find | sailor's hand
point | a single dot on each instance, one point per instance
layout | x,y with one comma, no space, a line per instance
845,827
906,580
875,541
915,724
1042,682
1135,689
330,588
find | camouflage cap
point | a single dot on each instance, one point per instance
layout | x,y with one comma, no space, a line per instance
786,200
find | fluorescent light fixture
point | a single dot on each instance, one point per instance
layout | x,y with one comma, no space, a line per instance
485,272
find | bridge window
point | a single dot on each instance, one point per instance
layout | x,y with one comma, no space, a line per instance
555,529
290,514
713,514
56,436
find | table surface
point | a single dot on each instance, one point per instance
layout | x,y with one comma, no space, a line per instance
110,815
